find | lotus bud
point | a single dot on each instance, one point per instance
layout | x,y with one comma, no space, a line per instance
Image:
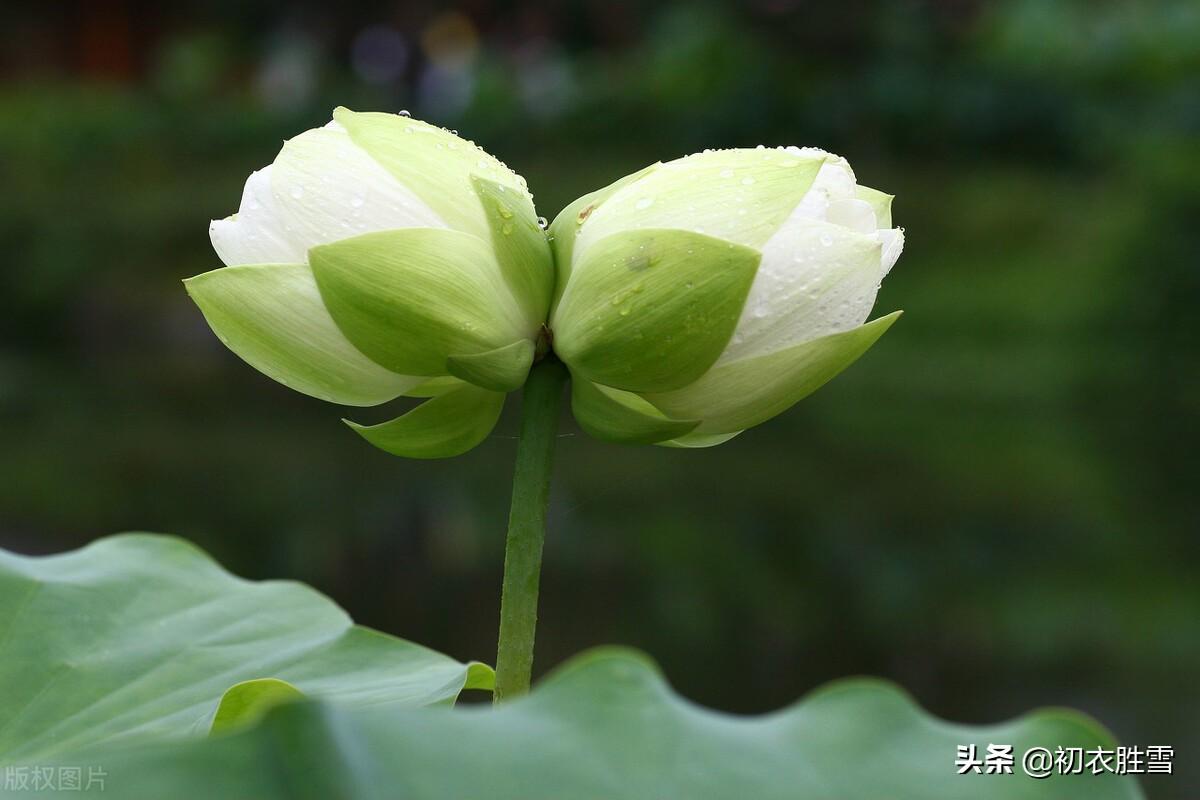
381,256
703,296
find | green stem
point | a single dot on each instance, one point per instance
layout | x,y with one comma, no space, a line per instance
527,527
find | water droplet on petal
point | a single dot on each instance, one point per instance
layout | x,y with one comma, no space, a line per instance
747,181
543,223
403,113
645,202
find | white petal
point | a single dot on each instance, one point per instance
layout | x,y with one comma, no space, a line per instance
816,278
857,215
893,243
834,182
255,234
328,189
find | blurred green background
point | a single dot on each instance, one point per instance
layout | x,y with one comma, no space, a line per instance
996,507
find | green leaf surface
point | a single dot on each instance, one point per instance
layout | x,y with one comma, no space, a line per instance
136,637
246,703
520,245
650,310
272,316
607,726
741,394
409,298
447,425
617,416
501,370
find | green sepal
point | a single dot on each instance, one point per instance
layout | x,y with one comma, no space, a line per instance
520,245
880,202
480,677
245,703
570,221
693,441
272,317
650,310
501,370
435,386
441,427
739,395
617,416
409,298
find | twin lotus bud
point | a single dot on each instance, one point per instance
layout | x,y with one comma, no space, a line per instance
380,256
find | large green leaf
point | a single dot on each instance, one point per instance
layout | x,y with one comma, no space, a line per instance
138,636
607,726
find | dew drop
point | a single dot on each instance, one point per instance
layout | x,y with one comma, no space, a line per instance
357,201
645,202
543,223
747,181
826,240
403,113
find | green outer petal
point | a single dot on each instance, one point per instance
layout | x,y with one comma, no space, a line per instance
704,192
742,394
409,298
881,202
441,427
272,317
694,441
570,221
651,310
432,163
245,703
520,244
501,370
617,416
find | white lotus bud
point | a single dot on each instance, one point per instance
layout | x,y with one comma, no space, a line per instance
705,295
379,256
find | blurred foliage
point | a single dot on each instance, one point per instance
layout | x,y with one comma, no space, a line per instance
996,507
